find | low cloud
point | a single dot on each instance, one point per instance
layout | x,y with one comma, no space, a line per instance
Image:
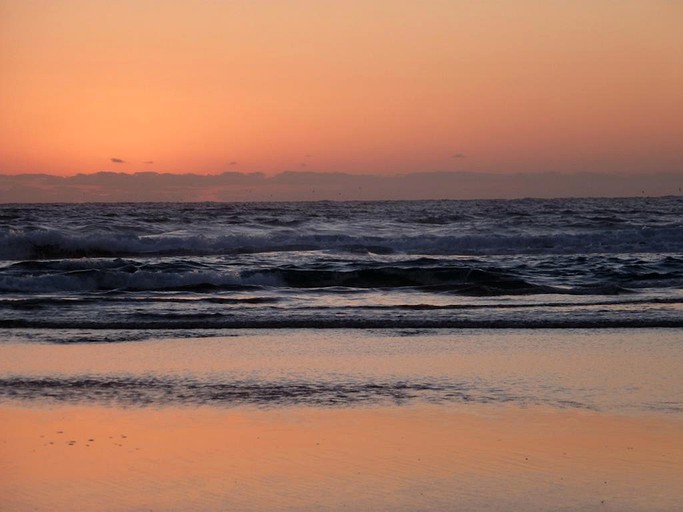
459,155
148,162
117,161
316,186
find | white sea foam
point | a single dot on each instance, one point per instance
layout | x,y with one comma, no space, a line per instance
19,245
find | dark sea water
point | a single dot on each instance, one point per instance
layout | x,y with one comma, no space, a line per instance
502,264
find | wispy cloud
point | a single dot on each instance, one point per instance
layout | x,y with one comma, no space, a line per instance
117,161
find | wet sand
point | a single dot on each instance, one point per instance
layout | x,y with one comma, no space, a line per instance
64,458
520,420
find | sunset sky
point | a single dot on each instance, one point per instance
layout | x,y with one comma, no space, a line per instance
358,86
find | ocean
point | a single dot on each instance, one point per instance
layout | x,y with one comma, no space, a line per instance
121,271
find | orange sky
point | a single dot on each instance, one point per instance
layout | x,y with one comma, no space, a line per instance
382,86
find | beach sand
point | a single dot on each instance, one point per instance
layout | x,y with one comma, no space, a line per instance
65,458
535,430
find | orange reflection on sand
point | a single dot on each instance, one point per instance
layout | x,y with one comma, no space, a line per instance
427,457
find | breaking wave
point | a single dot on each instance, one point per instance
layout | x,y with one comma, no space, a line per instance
17,244
427,275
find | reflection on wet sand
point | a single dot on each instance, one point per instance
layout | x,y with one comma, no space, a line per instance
607,370
422,457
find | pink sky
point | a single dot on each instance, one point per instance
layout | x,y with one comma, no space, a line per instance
381,87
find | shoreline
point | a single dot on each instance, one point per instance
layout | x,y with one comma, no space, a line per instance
357,325
610,369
